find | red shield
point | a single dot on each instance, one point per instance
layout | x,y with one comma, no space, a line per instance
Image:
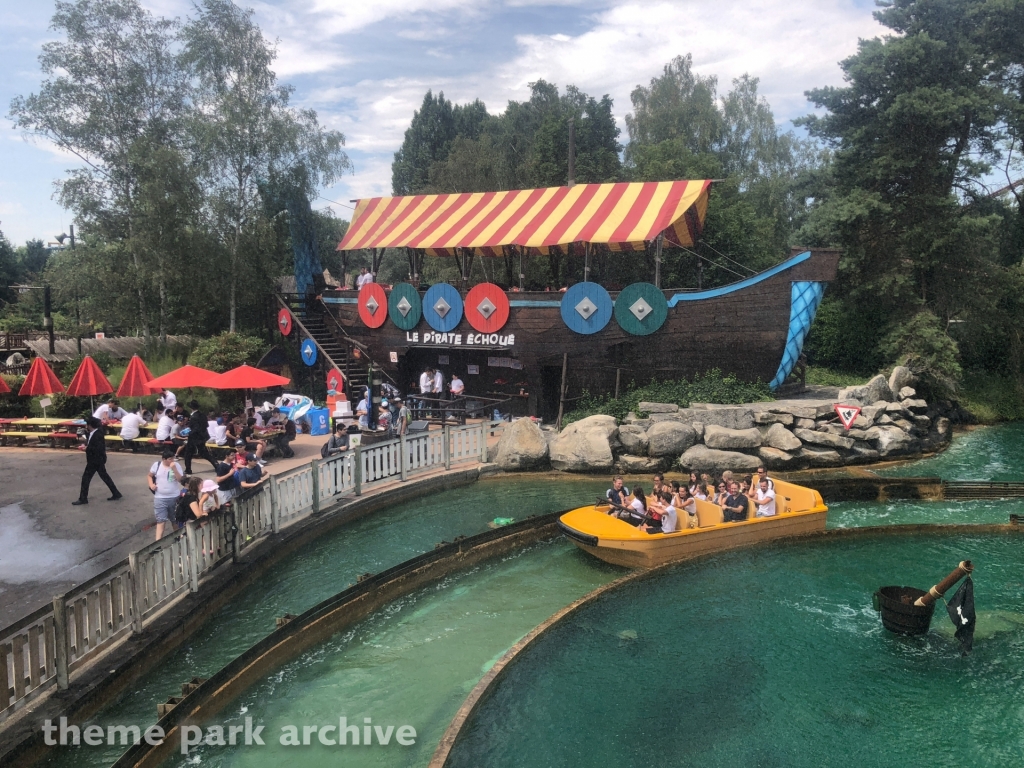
373,305
284,321
486,308
335,381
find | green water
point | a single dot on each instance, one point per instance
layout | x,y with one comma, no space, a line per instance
411,664
321,570
986,453
335,560
771,657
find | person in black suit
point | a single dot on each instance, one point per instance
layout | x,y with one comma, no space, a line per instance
195,443
95,462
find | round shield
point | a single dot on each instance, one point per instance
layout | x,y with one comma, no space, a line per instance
640,309
586,308
308,351
404,306
284,321
335,381
373,305
487,308
442,307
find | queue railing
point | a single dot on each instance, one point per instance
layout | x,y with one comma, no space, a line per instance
43,649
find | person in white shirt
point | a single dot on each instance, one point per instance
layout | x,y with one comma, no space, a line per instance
438,383
167,400
164,479
457,387
165,426
365,278
765,499
109,411
426,388
131,425
219,431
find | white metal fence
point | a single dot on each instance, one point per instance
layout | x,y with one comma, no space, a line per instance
43,649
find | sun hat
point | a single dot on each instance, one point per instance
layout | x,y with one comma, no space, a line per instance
209,486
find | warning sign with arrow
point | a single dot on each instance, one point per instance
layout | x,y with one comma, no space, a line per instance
847,414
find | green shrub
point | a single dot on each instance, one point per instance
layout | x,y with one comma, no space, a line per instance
826,377
711,387
923,345
12,406
227,351
992,398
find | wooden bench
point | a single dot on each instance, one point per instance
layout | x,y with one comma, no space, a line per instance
58,437
20,437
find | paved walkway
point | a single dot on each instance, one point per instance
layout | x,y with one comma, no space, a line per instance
47,546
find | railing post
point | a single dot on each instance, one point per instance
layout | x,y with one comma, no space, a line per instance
483,442
193,556
446,447
357,470
403,447
315,465
60,641
135,574
275,505
236,534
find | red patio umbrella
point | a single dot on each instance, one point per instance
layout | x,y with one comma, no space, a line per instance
41,380
4,389
89,381
135,382
245,377
186,376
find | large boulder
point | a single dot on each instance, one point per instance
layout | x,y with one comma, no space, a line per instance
765,418
875,390
670,438
633,439
702,458
780,438
795,409
773,458
725,438
818,457
639,465
585,445
657,408
892,441
824,438
522,446
730,417
901,377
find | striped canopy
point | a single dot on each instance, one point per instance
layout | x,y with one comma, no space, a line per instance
622,216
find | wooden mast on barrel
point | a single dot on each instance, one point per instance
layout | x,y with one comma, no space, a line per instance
964,569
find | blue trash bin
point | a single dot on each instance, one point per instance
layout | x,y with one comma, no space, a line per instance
320,418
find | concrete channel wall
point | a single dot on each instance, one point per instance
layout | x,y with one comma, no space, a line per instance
71,657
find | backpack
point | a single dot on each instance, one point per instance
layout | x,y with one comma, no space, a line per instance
182,509
323,449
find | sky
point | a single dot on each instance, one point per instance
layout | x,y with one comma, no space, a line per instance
364,66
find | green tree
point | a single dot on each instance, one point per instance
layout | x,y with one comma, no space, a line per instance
112,81
918,126
226,351
429,137
245,132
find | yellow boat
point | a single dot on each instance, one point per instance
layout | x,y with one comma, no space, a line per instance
799,511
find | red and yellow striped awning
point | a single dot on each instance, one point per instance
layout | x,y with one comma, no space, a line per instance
623,216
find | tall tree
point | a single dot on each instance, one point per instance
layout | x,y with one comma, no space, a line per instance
916,130
245,128
429,137
112,81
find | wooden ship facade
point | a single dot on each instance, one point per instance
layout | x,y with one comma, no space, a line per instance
522,345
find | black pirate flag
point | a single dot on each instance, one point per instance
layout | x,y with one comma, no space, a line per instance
961,611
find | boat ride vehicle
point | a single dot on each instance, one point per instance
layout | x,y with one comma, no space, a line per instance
595,529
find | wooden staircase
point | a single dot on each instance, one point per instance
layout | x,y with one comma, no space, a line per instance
338,349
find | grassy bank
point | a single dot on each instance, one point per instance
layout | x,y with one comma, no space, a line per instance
992,398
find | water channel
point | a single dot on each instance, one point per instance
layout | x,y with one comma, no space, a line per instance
415,661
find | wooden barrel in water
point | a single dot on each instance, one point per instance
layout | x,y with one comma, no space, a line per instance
899,614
